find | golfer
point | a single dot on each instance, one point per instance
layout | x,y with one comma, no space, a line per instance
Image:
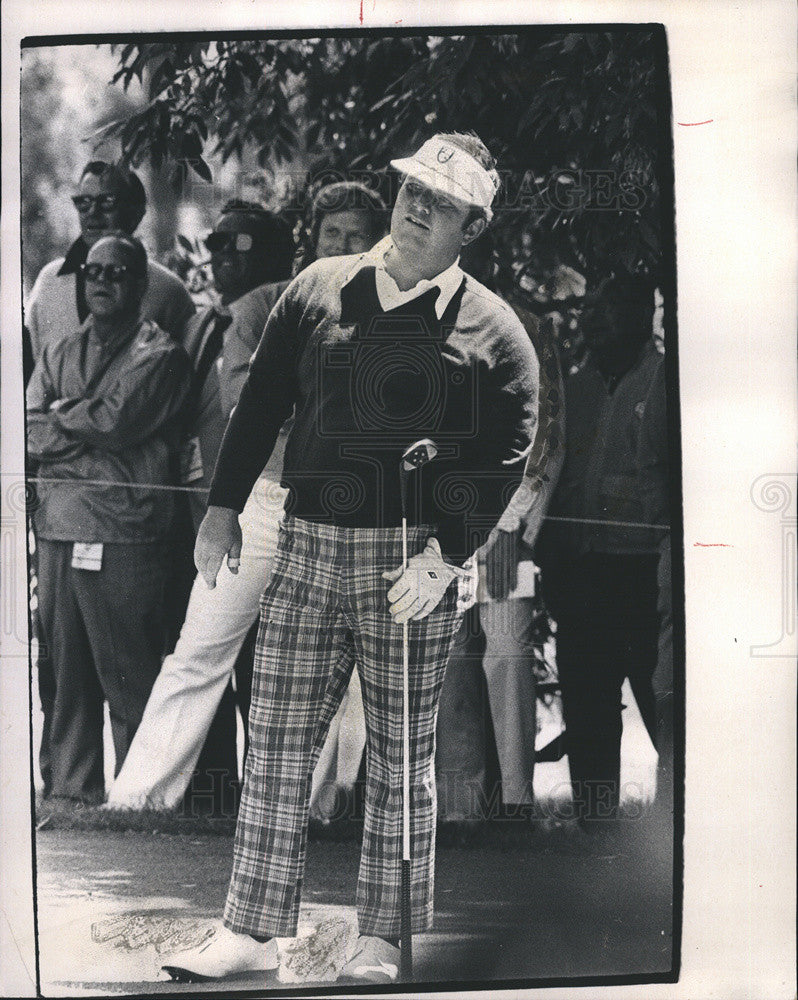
375,351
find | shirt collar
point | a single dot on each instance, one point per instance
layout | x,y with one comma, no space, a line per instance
121,337
389,293
218,308
75,256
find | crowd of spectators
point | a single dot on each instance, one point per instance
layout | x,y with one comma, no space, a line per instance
129,392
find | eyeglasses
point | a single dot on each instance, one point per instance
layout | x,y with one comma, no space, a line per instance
109,272
105,202
229,242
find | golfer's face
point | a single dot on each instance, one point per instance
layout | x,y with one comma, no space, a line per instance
428,225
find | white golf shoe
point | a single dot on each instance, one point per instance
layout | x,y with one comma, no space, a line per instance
374,961
223,955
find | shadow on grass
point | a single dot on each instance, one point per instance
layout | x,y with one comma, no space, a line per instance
540,832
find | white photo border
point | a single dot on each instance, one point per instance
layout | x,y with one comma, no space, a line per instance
733,72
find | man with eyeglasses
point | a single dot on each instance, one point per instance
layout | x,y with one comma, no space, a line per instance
251,255
102,406
109,198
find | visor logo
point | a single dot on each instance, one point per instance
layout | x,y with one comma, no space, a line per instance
445,154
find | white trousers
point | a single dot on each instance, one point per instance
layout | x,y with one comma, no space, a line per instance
507,662
508,665
187,691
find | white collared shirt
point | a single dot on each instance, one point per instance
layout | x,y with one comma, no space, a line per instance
389,293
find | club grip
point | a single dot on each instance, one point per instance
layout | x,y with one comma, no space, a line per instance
406,936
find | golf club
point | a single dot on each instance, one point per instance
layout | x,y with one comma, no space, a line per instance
413,457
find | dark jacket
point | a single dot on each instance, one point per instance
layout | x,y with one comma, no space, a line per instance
615,473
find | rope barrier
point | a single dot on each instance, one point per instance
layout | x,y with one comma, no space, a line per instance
127,486
616,524
205,490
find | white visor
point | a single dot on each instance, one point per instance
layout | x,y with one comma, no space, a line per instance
452,171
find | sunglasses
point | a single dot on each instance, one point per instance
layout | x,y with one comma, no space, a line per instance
229,242
105,202
109,272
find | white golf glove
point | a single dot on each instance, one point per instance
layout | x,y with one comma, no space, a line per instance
418,590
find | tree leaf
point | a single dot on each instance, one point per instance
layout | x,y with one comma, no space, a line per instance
542,102
199,166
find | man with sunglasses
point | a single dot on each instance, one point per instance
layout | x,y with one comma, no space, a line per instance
251,254
102,406
109,198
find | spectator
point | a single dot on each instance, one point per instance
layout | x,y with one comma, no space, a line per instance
345,217
218,621
601,578
102,404
109,198
249,248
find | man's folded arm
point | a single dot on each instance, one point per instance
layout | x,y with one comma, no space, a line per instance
144,397
46,440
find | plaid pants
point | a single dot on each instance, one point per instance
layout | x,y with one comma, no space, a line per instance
325,609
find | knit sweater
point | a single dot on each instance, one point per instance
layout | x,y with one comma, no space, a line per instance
367,383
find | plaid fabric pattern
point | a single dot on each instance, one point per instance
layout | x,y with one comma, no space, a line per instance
325,609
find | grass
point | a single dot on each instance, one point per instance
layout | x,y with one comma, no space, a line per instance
541,833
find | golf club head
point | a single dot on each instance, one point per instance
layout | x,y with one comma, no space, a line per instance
418,454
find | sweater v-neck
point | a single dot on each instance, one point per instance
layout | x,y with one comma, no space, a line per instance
360,304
